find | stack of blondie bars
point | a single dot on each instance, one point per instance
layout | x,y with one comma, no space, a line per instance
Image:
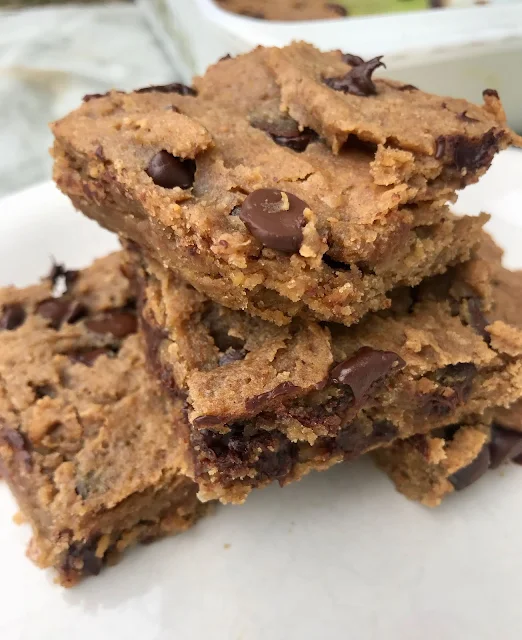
293,292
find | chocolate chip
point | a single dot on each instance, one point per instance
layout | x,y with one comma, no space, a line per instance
467,153
276,465
275,218
81,558
353,439
353,61
59,273
173,87
227,56
358,81
504,445
337,9
168,171
465,118
44,390
94,96
477,320
468,475
89,356
365,371
284,131
60,310
231,355
118,323
492,93
457,377
209,421
284,389
13,316
19,444
408,87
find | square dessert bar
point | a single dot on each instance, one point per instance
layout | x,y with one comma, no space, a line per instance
286,182
91,449
429,467
267,402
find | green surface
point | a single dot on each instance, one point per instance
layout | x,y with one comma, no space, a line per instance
365,7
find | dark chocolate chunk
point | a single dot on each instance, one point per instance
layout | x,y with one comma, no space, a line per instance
277,464
490,92
284,131
12,317
365,371
168,171
89,356
465,118
467,153
504,445
209,421
358,81
468,475
353,439
18,443
173,87
231,355
81,559
118,323
60,310
353,61
282,390
408,87
337,9
275,218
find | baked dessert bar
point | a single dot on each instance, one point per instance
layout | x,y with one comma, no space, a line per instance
90,447
277,187
272,403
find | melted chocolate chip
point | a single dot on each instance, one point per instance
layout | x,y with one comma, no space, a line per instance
276,465
116,322
337,9
275,218
60,310
468,475
353,61
467,153
81,558
504,445
284,131
366,371
168,171
19,444
457,377
173,87
12,317
492,93
281,391
231,355
465,118
358,81
89,356
353,439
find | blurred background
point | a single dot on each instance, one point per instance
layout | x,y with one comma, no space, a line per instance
51,54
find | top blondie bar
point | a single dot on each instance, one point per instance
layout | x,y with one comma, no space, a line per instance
286,182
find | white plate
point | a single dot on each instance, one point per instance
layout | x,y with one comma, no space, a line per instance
338,555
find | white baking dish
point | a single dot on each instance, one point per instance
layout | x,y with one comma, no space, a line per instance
456,51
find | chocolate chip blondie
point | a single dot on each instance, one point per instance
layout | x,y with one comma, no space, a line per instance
267,402
429,467
90,447
286,182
